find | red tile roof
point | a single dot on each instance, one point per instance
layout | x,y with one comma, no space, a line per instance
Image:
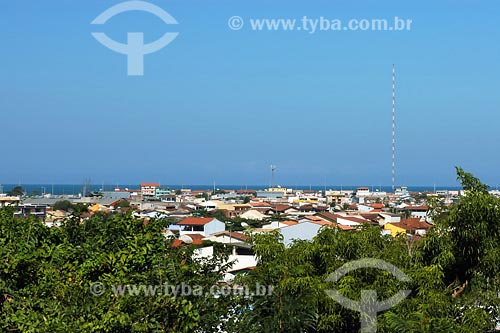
260,204
150,184
281,208
195,236
313,218
322,222
352,219
413,223
289,223
356,219
178,242
196,221
327,216
377,205
372,216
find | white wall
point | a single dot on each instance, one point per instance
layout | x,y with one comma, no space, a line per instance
303,231
420,215
214,226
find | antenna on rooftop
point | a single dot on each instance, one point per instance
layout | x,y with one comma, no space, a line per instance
86,187
273,170
393,122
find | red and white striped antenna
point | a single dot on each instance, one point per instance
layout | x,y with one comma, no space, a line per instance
393,123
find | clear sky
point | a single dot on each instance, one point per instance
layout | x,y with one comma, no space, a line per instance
222,105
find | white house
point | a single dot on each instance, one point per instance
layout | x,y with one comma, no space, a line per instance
205,226
302,231
9,200
388,218
149,189
239,261
350,221
228,237
208,205
364,208
418,212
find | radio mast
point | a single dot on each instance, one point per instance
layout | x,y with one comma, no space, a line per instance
393,124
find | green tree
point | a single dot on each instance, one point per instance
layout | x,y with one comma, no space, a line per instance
16,191
123,204
64,205
34,193
46,275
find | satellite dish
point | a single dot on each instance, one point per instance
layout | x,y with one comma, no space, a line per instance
228,277
186,239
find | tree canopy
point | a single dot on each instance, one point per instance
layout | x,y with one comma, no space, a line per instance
47,276
16,191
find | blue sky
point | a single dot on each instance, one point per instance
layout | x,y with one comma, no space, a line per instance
222,105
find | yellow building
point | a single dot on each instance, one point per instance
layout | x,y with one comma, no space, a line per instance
311,200
277,189
411,226
394,229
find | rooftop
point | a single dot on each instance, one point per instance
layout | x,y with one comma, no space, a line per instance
196,221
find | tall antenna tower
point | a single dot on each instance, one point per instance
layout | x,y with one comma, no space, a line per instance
393,122
273,170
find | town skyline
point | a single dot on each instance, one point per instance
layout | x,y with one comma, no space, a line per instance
249,166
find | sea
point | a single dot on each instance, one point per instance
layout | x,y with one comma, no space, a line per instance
75,189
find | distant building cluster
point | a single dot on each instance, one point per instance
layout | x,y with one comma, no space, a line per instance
203,218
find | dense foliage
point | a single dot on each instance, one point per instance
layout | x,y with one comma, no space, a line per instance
46,275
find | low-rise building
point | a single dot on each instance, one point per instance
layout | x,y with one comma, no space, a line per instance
300,231
337,197
39,211
161,193
148,190
8,201
420,212
205,226
410,226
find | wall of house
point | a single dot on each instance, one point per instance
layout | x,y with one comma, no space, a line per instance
347,222
420,215
303,231
395,230
214,226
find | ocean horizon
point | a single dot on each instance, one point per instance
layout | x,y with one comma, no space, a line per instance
75,189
